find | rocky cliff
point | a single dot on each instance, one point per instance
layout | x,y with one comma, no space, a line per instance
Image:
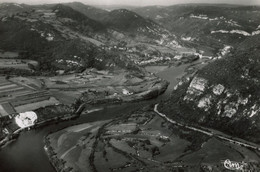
223,95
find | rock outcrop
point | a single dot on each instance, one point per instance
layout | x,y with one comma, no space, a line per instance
223,95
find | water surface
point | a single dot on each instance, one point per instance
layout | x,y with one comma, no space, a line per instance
26,154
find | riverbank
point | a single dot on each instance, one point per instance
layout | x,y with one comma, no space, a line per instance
145,91
99,87
35,137
59,113
211,132
142,139
47,115
52,148
138,90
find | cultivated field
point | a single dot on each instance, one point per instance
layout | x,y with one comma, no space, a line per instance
145,141
103,86
69,144
17,63
16,97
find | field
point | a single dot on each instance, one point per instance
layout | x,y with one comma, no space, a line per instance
33,83
66,97
69,144
6,109
17,63
89,78
16,97
8,54
36,104
102,86
145,141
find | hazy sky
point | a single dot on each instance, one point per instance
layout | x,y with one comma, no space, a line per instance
137,2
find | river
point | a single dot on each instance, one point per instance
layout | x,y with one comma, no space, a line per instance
26,154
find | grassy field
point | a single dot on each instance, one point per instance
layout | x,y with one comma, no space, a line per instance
21,94
66,97
70,144
87,79
17,63
33,83
9,54
6,109
100,86
144,141
36,104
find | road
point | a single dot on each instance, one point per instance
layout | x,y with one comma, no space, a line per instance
209,133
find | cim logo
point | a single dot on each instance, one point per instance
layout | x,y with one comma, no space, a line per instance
232,165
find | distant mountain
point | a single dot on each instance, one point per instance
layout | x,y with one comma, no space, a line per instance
9,9
89,11
122,23
83,22
126,20
115,7
223,95
206,25
36,30
123,20
59,38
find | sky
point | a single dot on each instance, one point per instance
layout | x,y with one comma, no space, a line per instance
137,2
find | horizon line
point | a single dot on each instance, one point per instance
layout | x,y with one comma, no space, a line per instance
98,5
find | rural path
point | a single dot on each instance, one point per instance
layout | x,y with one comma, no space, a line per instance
209,133
68,151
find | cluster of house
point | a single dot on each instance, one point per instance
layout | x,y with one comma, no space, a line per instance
120,48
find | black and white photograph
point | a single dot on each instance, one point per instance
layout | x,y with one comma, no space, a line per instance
129,85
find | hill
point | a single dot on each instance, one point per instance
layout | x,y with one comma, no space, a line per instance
123,21
51,33
89,11
84,23
40,32
206,26
223,95
10,9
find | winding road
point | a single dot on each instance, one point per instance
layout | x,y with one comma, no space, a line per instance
209,133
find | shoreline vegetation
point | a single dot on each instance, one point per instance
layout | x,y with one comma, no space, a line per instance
61,112
140,139
58,164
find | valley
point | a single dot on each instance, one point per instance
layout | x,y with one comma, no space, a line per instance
68,67
153,88
142,140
